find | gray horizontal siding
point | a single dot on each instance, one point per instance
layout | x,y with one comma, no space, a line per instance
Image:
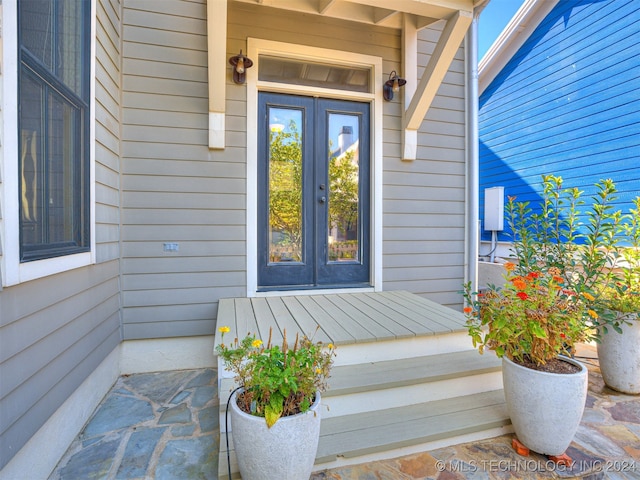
173,188
107,142
55,331
424,200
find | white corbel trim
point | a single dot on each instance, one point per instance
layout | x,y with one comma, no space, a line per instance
439,63
217,70
410,69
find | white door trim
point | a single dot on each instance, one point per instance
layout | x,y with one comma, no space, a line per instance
256,47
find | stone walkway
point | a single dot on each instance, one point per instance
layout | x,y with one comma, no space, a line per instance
165,426
159,426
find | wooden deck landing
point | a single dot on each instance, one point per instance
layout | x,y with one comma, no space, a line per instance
344,318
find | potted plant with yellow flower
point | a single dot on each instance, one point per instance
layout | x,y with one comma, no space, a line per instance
275,412
545,307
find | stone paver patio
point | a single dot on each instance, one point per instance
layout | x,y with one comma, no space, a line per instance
165,426
150,426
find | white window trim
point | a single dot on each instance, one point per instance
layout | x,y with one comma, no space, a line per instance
14,272
257,47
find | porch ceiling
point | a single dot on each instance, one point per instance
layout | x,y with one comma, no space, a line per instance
385,13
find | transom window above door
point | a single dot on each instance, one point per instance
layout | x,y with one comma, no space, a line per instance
314,74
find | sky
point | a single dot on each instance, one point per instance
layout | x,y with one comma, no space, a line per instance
493,19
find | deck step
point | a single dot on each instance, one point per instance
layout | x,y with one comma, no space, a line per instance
357,435
383,430
405,378
375,376
372,376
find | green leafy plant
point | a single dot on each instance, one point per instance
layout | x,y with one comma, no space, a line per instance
621,294
552,237
563,257
277,380
532,319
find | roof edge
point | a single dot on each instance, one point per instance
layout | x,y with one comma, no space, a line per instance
517,31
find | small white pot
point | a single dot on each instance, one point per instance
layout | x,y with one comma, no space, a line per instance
545,408
286,451
619,356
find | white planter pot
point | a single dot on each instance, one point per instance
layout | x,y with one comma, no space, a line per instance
619,356
286,451
545,408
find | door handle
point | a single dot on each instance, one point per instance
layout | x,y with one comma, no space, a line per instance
323,200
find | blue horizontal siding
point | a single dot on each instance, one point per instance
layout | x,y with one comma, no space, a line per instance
567,103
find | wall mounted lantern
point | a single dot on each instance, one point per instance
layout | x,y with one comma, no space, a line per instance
240,64
392,85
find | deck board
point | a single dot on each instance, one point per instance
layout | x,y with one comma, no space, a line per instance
285,319
331,325
356,331
419,305
436,308
388,323
393,309
361,318
307,324
267,324
344,318
245,318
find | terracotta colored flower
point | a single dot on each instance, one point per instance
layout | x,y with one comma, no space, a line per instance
467,310
533,275
522,295
562,335
558,279
519,283
509,266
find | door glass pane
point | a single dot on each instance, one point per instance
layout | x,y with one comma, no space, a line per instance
344,173
285,185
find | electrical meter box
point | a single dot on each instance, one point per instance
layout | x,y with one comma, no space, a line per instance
494,209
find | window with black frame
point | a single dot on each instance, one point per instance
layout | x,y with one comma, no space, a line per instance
53,122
